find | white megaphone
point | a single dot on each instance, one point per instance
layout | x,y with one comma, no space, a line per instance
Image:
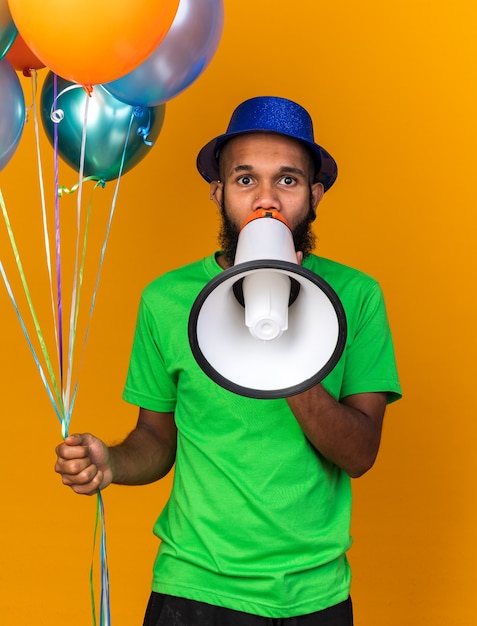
267,327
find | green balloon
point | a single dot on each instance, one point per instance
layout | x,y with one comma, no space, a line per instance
107,126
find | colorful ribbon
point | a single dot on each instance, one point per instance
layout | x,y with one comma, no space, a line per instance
104,607
62,389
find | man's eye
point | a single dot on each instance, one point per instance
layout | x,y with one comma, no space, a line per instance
245,180
287,180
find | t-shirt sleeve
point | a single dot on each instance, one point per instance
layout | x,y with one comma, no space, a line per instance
148,383
370,360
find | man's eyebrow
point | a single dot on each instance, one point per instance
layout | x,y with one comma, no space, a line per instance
292,170
242,168
284,169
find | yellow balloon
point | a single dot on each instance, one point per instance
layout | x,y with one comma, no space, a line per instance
92,41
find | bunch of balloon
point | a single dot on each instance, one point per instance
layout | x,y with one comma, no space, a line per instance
80,53
102,107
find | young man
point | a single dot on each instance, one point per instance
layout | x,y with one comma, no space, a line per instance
257,526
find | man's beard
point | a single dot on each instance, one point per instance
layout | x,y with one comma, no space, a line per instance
303,236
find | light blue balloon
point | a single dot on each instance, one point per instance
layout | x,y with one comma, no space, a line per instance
12,112
179,60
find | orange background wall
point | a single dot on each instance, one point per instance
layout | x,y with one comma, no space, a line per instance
392,89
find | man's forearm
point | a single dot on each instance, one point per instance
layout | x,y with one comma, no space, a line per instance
143,457
348,433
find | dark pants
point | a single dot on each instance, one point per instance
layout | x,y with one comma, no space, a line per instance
165,610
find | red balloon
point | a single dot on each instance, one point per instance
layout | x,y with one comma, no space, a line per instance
22,58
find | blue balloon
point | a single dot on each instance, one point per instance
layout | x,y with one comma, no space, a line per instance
183,55
110,123
12,112
8,30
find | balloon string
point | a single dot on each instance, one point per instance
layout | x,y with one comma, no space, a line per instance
105,611
30,345
78,274
56,115
46,236
59,298
105,614
30,303
69,409
104,607
83,258
65,190
105,241
65,400
105,618
34,79
105,600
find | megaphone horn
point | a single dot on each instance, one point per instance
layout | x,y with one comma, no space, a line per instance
267,327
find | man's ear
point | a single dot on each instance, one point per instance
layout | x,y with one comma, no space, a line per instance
216,192
317,191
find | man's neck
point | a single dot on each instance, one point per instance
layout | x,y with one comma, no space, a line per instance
222,260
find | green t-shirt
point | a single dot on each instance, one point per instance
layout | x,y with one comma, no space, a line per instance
257,520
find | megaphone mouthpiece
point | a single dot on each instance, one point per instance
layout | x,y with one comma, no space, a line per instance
265,235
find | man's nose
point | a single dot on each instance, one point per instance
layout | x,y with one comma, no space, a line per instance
266,198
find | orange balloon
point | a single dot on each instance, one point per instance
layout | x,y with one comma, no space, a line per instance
92,41
22,58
